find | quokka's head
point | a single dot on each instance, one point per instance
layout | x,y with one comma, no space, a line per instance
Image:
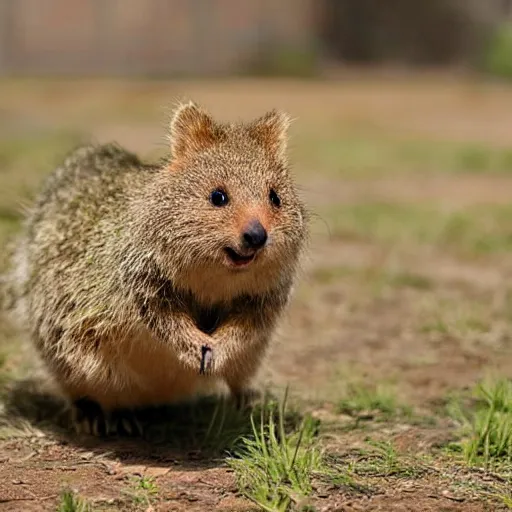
225,205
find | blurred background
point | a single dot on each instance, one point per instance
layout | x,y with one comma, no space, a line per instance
401,145
225,37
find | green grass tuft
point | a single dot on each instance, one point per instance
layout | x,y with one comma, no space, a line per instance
147,484
72,502
144,490
506,499
381,459
375,400
486,425
276,468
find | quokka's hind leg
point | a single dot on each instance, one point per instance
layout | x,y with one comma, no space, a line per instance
124,422
88,417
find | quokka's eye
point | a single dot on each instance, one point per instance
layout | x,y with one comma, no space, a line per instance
274,198
219,198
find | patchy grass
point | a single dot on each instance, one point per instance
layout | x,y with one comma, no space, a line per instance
506,499
331,274
469,321
371,400
143,490
377,276
381,459
147,484
276,468
72,502
39,147
373,153
476,230
24,162
486,424
409,280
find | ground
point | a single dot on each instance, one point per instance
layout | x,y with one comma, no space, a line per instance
404,303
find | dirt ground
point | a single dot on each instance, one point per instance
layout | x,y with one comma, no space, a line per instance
407,283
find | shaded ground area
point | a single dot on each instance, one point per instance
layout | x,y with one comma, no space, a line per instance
405,301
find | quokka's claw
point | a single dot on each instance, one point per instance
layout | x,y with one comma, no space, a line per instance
88,418
207,361
126,423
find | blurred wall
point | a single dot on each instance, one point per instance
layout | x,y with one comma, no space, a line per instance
209,37
152,37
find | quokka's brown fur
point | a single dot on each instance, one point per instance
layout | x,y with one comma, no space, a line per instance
121,273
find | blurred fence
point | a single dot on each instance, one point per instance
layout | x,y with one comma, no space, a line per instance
169,37
205,37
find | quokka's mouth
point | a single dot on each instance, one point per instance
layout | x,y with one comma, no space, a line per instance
238,260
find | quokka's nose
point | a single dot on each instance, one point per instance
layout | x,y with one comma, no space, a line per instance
254,236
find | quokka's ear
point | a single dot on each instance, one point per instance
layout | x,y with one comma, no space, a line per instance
192,129
271,132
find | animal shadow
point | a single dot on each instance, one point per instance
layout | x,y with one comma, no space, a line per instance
201,430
